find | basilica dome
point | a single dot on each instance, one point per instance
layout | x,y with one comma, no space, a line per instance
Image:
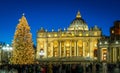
78,23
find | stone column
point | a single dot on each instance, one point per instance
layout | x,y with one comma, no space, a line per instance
75,48
107,56
90,48
88,43
64,49
119,53
52,48
83,49
101,57
113,54
70,48
59,48
46,50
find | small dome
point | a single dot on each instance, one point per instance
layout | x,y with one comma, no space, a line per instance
42,29
96,28
78,23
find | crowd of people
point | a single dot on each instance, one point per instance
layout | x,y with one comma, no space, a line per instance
50,67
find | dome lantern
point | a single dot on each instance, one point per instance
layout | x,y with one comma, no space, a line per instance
78,15
78,23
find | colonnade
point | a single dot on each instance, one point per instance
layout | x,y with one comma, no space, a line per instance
114,54
70,48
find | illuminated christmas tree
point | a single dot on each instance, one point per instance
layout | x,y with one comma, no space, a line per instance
23,51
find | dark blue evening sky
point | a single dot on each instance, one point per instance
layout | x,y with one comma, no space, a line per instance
55,14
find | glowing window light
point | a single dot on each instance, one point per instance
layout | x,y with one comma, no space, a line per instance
55,35
62,34
106,42
49,35
80,34
72,34
95,45
86,34
116,42
112,31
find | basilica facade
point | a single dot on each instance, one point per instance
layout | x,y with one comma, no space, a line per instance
76,43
